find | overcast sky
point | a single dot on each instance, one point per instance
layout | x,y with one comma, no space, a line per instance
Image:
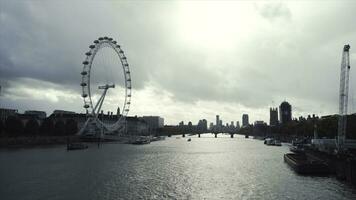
188,60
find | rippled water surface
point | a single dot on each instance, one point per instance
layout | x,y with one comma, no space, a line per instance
205,168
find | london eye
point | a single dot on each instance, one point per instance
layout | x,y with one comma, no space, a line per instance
94,95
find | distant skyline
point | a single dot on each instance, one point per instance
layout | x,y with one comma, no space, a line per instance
188,60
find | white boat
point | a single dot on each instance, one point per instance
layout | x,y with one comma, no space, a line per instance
272,142
269,141
277,143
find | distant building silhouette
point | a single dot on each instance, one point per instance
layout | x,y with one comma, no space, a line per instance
202,125
259,122
273,116
181,123
36,113
154,123
259,128
205,124
245,120
285,112
237,124
62,112
5,113
190,126
211,126
217,121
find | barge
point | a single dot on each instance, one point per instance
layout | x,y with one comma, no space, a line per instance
304,165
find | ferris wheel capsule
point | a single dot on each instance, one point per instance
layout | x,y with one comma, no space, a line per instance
92,46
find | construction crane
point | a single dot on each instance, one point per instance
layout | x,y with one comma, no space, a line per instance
343,98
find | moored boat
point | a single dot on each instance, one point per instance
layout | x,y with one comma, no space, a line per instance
141,140
272,142
157,138
269,141
297,148
76,146
304,165
277,143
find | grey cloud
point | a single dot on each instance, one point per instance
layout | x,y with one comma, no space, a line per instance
272,11
47,41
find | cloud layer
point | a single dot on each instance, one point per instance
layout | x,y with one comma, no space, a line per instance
189,60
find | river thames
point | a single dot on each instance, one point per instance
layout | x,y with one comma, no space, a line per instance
205,168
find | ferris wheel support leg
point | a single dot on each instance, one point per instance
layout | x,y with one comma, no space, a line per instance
99,103
94,117
81,131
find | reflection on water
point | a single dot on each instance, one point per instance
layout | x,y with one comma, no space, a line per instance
205,168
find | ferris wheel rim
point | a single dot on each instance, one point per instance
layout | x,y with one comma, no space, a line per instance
86,74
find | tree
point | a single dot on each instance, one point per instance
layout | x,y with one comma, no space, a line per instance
289,128
59,128
71,127
246,130
32,127
14,126
47,127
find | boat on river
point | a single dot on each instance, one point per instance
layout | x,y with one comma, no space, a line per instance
304,165
141,140
272,142
277,143
76,146
297,148
189,140
157,138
